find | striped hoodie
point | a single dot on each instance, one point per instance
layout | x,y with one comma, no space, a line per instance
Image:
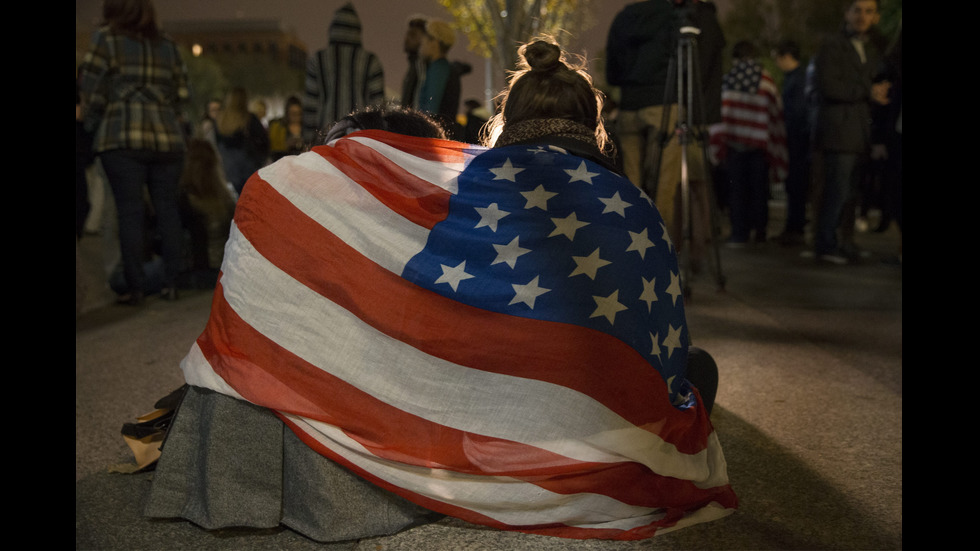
341,78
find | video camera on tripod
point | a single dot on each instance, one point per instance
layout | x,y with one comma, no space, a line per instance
685,88
684,14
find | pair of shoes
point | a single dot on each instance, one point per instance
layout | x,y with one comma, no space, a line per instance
168,293
134,298
892,260
854,253
834,258
153,423
790,239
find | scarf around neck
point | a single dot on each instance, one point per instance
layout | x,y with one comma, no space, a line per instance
534,129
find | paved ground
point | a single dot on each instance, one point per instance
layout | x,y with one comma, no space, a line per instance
809,411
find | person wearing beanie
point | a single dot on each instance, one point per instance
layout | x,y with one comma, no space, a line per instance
440,91
341,78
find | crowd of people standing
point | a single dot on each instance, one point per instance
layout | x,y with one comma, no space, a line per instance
831,136
132,130
812,137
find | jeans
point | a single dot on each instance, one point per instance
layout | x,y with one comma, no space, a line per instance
840,180
748,202
129,172
797,183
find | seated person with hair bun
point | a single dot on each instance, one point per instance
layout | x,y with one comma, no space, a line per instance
408,327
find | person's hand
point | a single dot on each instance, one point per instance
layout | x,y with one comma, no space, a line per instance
879,92
879,152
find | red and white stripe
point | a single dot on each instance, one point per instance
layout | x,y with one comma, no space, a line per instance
754,120
499,420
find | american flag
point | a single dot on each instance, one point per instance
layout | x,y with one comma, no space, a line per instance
494,334
752,116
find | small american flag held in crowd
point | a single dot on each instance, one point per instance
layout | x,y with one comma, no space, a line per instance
494,334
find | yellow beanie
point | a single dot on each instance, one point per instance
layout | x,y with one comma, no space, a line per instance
441,31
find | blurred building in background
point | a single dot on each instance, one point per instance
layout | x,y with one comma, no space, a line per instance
267,38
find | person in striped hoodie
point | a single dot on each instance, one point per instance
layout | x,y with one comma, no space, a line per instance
342,78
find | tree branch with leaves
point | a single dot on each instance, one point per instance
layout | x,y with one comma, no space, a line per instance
497,28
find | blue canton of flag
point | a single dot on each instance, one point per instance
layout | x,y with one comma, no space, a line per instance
553,237
744,77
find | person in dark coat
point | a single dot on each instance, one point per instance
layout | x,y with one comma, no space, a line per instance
412,82
845,69
643,41
797,140
641,44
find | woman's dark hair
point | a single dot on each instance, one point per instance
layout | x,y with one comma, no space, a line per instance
788,47
548,85
136,18
202,179
744,49
293,100
234,114
391,117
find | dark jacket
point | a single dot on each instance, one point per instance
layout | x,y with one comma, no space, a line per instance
638,53
642,42
794,103
843,85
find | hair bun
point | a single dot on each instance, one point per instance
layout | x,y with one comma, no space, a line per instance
542,56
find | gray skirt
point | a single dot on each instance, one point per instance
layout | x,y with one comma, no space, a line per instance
227,463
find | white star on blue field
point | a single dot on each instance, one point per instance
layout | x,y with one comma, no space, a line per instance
542,234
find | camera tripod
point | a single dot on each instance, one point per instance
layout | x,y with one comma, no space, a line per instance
684,87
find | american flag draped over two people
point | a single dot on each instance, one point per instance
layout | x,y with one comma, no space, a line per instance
494,334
